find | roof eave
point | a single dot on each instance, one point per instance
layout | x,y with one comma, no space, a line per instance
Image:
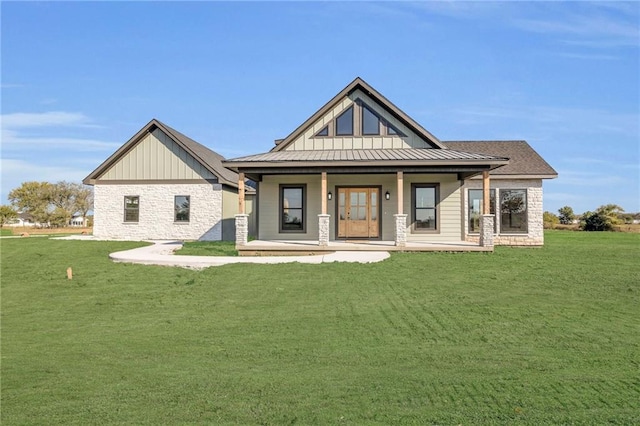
522,176
236,165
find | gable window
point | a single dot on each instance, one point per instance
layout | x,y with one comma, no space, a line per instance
424,207
513,211
475,209
324,131
131,208
181,207
292,208
344,123
370,122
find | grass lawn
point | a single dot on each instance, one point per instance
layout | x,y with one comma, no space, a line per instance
208,248
4,232
520,336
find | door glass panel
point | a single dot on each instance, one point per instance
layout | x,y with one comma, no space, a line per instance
353,199
341,205
362,198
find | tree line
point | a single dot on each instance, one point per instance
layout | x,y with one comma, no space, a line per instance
50,204
604,218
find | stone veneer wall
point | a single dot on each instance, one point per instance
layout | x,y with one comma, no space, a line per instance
156,217
535,234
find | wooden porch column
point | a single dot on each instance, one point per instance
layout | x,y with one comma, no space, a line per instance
400,192
323,192
486,197
240,193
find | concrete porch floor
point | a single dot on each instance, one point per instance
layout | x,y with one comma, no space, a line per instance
289,247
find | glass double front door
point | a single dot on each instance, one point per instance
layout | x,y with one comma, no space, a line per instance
358,212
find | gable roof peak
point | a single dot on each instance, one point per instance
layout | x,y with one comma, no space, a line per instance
211,160
359,83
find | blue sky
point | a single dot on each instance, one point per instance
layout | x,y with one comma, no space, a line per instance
80,78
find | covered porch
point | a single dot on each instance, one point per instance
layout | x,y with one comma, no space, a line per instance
403,200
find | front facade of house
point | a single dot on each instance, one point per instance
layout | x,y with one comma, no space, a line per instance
360,169
163,185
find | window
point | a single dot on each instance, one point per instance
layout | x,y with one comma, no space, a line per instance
181,208
475,209
370,122
424,201
292,208
344,123
513,211
324,131
131,208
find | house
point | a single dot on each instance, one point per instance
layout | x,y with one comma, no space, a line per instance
77,221
162,184
360,169
23,220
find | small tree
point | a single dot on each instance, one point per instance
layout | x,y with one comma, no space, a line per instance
33,198
59,218
83,201
549,220
7,213
566,215
602,219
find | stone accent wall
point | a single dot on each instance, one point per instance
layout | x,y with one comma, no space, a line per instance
486,230
156,216
401,229
323,228
242,229
535,234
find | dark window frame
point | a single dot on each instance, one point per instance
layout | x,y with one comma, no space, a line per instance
436,208
337,128
176,208
503,192
131,209
364,108
281,189
492,197
327,128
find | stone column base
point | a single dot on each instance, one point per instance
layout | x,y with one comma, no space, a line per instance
486,230
242,229
401,230
323,230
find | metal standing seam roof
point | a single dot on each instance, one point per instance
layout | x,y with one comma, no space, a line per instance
368,155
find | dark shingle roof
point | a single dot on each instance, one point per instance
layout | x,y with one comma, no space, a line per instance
207,157
523,160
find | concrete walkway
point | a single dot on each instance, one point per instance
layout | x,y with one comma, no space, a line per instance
161,253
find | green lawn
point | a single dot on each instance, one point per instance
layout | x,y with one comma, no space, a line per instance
520,336
4,232
208,248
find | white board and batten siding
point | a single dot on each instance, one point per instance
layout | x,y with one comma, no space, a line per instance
157,157
308,142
